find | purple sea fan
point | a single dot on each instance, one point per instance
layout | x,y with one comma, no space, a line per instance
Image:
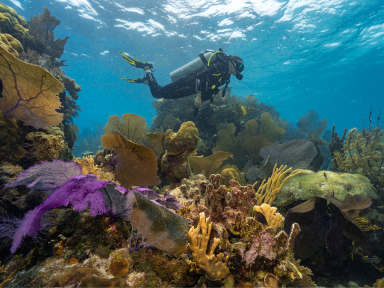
80,191
47,175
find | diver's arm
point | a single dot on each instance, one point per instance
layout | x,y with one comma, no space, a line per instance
198,94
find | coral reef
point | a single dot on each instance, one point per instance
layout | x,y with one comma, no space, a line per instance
297,154
185,139
46,146
180,146
41,37
336,145
131,126
47,175
309,124
324,226
324,183
229,174
9,139
159,227
274,220
10,44
11,22
29,93
246,145
132,159
363,153
208,165
156,143
214,267
269,189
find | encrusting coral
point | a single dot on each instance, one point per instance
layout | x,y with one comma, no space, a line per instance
131,126
46,146
9,139
229,174
10,44
29,93
11,22
214,267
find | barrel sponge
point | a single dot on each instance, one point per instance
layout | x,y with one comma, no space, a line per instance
185,138
229,174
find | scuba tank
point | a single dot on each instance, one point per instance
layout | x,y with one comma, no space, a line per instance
194,65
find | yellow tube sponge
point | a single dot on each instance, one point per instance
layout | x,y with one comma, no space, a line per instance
198,243
274,220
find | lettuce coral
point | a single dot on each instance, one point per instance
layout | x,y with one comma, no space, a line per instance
29,93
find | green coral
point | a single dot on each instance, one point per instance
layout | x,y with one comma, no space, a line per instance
363,153
11,22
307,184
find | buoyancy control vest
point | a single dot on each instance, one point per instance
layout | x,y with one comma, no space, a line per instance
204,59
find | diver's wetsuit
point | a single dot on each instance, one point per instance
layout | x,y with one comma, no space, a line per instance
207,80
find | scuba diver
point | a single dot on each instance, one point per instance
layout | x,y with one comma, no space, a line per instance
201,77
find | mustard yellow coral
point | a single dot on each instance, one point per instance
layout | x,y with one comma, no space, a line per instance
88,165
46,146
214,267
268,191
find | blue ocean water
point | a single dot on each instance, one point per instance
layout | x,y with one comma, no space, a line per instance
299,55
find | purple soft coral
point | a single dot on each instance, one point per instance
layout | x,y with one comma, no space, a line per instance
47,175
80,192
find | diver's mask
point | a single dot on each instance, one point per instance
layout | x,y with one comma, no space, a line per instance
239,68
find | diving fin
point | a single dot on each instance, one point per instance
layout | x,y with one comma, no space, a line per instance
136,63
137,80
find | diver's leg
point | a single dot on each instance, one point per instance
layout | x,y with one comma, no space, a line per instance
178,89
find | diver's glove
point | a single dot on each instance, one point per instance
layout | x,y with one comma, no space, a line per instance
198,101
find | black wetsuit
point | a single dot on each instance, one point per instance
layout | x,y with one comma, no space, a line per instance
207,80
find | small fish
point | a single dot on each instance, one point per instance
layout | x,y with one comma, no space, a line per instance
325,176
373,259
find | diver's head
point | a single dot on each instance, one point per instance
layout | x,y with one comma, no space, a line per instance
237,66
